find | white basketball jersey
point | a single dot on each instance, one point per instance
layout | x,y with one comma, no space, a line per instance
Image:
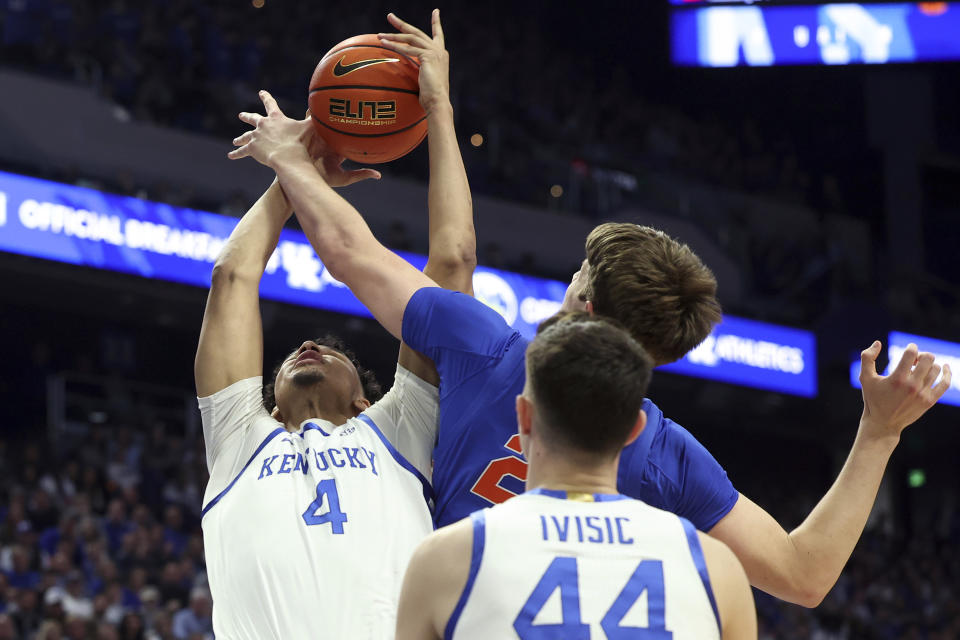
312,537
585,568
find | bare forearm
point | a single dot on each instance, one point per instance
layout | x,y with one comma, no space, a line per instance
255,237
827,537
335,229
453,249
382,280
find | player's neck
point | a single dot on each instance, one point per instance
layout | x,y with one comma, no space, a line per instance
315,408
571,475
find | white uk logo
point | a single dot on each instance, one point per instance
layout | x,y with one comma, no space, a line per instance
493,291
301,265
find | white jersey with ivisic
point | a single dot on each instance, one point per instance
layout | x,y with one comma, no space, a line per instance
307,534
585,568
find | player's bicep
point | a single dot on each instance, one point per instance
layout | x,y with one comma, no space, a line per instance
231,337
738,614
383,281
762,545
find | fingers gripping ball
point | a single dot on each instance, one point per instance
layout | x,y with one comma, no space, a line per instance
364,101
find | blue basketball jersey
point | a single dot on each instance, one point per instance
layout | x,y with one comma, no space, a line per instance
477,460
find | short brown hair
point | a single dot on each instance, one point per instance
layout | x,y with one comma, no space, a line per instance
588,378
658,288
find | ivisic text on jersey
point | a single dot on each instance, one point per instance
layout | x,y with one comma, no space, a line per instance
596,529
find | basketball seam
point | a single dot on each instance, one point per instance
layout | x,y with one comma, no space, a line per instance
364,86
372,46
366,135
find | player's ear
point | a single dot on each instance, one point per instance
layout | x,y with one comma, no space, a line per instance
524,423
588,307
524,415
361,404
276,415
637,427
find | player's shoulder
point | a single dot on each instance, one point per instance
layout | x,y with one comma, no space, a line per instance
448,546
668,435
454,311
239,390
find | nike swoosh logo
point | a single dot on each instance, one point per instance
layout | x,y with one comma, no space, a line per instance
343,69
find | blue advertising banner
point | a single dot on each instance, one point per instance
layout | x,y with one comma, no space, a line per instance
814,34
755,354
944,352
87,227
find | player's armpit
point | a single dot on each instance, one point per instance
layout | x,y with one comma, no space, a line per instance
429,596
418,364
731,590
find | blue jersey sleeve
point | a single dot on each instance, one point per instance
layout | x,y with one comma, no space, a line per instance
459,333
679,475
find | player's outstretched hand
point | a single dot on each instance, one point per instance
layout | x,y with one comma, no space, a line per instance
329,164
893,402
275,138
432,53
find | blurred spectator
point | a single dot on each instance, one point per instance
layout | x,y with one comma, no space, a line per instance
194,619
50,630
7,629
132,628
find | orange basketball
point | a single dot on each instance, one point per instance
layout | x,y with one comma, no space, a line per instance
364,101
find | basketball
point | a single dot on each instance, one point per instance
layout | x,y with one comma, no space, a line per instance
364,101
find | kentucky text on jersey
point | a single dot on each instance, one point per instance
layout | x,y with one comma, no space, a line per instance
594,529
323,459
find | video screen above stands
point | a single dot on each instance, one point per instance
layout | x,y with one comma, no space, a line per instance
766,34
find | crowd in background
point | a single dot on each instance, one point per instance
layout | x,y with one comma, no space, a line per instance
595,130
102,541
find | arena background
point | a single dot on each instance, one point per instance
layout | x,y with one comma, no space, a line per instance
825,198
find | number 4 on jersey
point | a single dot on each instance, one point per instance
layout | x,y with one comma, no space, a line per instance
333,516
562,574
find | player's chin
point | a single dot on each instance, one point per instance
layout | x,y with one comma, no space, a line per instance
307,374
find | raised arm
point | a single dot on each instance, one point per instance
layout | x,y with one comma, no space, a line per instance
382,280
453,246
231,337
803,565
